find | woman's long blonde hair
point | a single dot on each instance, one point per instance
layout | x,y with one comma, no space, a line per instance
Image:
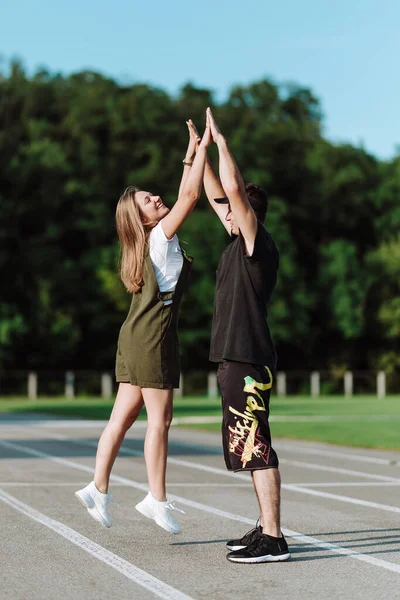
133,236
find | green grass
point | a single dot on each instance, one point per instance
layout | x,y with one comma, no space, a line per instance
384,435
355,424
96,408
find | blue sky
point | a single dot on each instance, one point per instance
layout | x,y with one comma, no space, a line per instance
347,51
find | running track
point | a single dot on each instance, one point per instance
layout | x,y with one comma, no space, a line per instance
341,515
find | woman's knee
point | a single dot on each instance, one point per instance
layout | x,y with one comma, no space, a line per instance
160,422
121,425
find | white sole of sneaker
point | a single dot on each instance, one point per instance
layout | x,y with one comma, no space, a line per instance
144,510
87,501
261,559
161,524
147,512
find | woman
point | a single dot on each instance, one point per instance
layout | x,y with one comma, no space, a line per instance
155,269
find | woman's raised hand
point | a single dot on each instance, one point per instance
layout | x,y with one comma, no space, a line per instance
207,138
194,140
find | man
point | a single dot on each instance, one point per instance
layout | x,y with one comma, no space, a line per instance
242,346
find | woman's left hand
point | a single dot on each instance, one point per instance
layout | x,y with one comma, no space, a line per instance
194,141
207,137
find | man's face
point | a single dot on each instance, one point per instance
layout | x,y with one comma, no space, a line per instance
231,220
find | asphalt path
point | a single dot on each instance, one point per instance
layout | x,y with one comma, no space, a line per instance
340,514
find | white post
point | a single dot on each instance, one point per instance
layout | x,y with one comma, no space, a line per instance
69,385
381,384
179,390
106,385
212,385
281,384
32,386
315,384
348,384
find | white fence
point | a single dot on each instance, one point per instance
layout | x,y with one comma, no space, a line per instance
103,383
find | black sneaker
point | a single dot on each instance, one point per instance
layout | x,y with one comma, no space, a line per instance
246,540
263,549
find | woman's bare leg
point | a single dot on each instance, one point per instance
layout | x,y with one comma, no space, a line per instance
127,406
159,415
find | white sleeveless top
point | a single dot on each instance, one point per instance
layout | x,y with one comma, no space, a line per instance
166,257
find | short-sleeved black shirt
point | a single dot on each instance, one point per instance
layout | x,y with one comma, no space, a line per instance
244,286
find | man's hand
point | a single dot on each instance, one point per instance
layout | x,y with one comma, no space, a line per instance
215,131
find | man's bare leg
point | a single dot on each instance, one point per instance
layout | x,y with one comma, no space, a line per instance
267,484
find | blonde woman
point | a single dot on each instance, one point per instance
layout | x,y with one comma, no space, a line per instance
155,269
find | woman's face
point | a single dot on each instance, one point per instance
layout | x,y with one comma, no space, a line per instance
152,207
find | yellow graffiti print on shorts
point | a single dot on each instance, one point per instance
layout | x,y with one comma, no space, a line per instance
243,436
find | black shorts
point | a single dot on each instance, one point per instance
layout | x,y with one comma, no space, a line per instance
246,436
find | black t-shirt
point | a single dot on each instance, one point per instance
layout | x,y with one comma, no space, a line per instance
244,286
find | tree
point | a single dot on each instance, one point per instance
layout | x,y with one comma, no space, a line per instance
70,144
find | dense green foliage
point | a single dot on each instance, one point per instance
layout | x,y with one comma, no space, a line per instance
70,145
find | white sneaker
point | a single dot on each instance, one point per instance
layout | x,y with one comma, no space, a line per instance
160,512
96,503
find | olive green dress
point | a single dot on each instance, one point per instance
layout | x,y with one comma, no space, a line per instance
148,348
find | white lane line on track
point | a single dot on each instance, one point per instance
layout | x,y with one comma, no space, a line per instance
74,485
216,511
283,446
198,420
191,465
340,498
39,484
150,583
216,471
316,467
217,485
243,476
207,484
311,466
340,456
350,484
63,424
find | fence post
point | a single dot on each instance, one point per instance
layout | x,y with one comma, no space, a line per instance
32,386
281,384
179,390
381,384
212,385
315,384
348,384
69,385
106,385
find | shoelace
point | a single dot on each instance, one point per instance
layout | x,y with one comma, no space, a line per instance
170,504
110,500
264,540
255,543
252,534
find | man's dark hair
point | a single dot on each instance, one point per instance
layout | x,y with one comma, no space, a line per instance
258,200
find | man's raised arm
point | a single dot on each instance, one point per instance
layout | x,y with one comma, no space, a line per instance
232,183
